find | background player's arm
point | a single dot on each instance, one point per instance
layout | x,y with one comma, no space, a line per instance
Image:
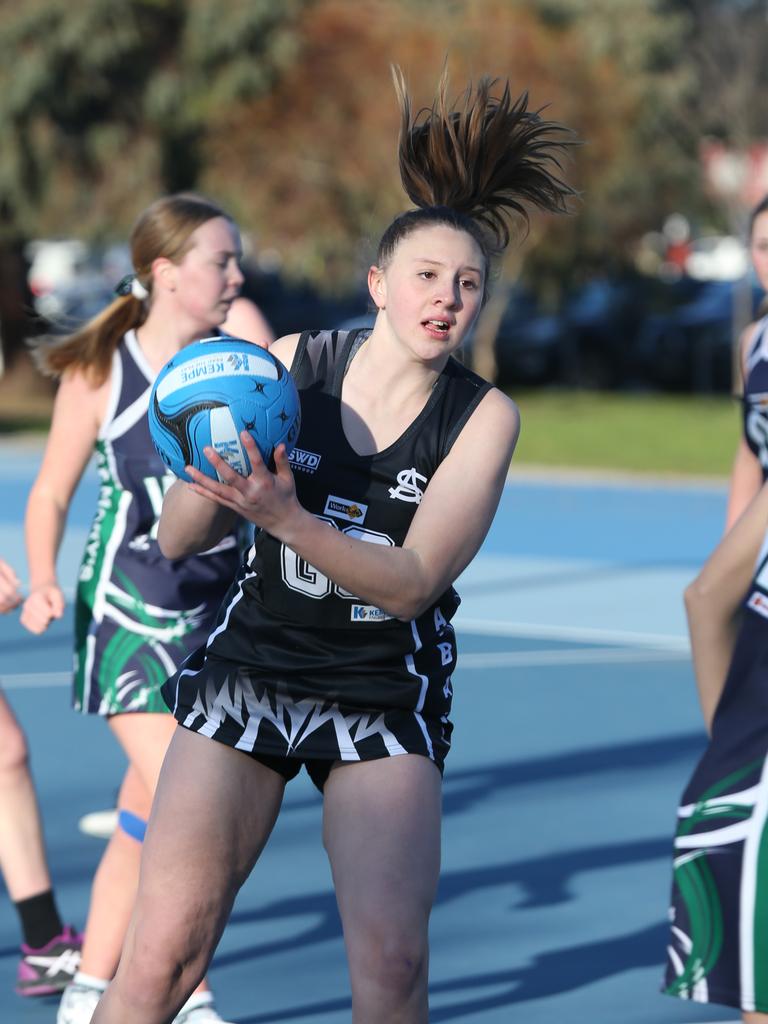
77,413
245,320
450,524
713,601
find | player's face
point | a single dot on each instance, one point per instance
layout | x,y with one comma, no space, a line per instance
208,278
432,290
758,247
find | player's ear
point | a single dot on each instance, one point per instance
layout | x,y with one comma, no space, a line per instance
164,273
377,287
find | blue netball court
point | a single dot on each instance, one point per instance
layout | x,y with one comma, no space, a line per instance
576,726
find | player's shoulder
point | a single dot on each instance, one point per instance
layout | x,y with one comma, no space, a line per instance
285,348
499,407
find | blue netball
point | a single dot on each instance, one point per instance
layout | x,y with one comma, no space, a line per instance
212,390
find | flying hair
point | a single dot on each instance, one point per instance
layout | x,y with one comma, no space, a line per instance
485,157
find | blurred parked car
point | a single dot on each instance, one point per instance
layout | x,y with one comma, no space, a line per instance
690,347
70,282
717,258
69,305
529,344
601,321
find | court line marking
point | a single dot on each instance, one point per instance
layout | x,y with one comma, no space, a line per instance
580,634
34,680
568,656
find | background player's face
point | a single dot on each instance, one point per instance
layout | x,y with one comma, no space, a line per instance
432,290
208,278
758,247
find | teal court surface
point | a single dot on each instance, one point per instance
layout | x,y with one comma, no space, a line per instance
576,727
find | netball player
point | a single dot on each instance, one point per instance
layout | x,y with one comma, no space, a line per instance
719,900
50,951
137,614
334,649
750,467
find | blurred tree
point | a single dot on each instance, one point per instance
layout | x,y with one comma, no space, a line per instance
285,112
320,148
103,106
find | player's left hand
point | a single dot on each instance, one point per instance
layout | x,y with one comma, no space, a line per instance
10,594
265,498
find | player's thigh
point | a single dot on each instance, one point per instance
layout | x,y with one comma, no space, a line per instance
213,811
144,737
381,828
13,744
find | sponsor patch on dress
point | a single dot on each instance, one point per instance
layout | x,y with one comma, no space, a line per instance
368,613
343,508
306,462
758,603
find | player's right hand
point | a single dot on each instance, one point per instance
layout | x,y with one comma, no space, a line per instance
43,604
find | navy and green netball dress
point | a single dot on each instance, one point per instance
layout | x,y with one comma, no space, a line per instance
719,939
137,615
756,396
299,668
718,949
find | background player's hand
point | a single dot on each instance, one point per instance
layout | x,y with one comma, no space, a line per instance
264,498
43,604
10,595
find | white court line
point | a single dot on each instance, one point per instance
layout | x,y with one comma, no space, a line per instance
570,656
580,634
34,680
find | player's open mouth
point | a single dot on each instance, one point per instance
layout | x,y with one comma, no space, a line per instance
438,326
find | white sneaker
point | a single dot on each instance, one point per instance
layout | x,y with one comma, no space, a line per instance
198,1009
78,1003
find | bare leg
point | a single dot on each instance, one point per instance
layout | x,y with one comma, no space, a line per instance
382,832
755,1018
145,739
22,847
114,887
214,810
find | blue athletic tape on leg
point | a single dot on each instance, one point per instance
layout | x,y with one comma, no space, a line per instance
132,825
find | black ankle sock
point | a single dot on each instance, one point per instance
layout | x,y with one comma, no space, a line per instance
40,921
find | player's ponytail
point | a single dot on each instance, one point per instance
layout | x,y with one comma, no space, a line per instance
477,164
90,349
162,230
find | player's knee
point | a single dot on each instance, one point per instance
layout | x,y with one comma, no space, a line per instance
14,753
394,961
156,979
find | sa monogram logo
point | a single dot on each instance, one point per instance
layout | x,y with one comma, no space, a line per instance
408,489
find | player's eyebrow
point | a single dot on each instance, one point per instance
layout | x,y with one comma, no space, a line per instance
439,263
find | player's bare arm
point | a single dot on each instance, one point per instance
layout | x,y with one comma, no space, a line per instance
77,413
713,601
447,530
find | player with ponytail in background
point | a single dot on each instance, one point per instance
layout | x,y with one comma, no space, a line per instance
137,614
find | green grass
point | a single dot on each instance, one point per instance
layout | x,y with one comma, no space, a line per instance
673,434
676,434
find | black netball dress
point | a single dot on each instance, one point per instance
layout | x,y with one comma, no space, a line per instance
298,667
